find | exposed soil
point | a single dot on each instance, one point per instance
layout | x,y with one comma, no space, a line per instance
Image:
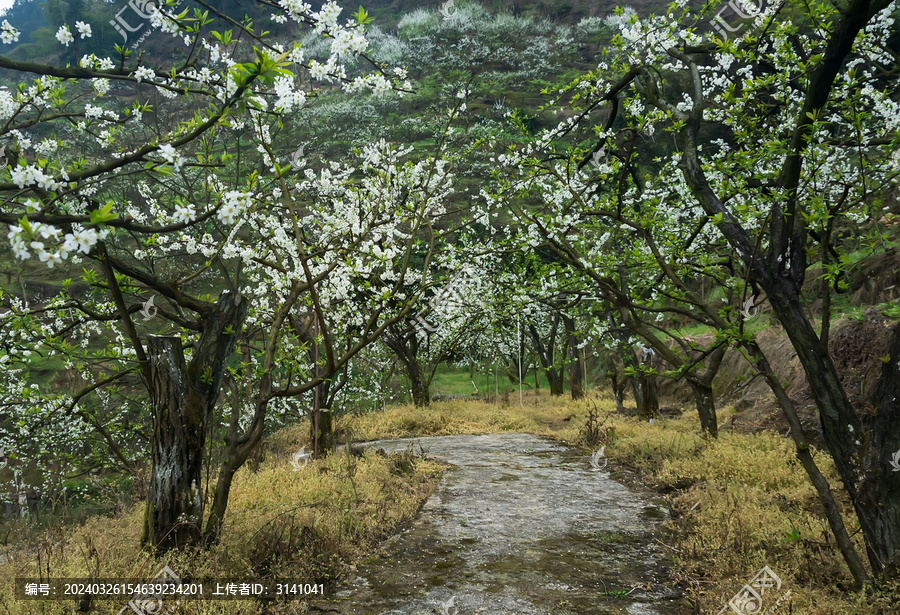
856,346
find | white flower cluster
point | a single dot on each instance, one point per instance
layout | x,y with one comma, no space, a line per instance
8,105
84,29
165,21
8,34
329,72
168,153
79,240
92,61
233,204
348,41
64,36
326,18
185,214
144,72
30,175
290,97
379,85
46,147
101,86
296,8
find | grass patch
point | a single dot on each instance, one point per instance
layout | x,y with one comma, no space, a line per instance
738,503
309,525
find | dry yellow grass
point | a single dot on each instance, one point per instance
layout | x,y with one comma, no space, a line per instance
739,503
306,525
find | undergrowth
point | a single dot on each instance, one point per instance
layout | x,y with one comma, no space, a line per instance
738,503
307,524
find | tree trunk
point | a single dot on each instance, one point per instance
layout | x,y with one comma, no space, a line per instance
879,493
701,385
184,397
861,466
832,513
618,387
576,365
546,357
174,510
420,390
646,396
321,432
706,406
405,345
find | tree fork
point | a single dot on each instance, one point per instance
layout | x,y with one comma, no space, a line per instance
184,397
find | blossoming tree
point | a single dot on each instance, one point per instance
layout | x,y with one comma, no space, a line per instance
781,133
164,205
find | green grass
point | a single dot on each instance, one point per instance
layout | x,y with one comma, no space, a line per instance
450,380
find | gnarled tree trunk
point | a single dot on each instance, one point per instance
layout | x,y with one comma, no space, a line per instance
321,432
184,397
646,391
405,345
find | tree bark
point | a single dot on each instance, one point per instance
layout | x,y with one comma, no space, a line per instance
321,432
832,512
546,357
646,395
576,365
706,406
618,387
879,490
421,393
184,398
405,345
701,386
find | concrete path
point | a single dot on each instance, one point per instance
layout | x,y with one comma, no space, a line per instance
520,525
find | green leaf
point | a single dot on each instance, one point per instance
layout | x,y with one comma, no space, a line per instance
362,17
104,214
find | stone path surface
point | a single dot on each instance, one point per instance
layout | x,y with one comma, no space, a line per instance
519,525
